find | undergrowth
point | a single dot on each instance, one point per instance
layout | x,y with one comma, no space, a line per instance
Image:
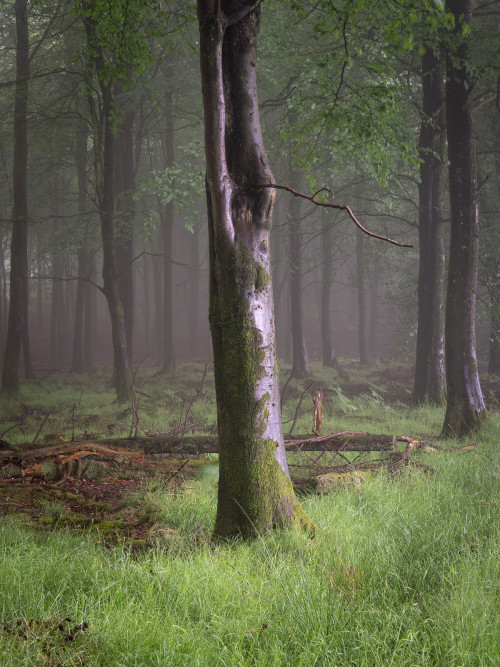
403,572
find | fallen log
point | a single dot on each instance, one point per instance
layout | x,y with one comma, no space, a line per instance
193,445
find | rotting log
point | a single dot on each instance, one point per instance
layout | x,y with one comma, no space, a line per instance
193,445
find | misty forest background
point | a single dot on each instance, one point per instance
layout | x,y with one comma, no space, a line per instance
339,109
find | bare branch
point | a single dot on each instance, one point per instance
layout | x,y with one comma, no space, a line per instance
339,207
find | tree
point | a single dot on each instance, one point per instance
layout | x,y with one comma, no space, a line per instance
429,383
17,332
255,490
465,405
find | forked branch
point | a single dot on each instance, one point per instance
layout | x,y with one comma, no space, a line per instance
339,207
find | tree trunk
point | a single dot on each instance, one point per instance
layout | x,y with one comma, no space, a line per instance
104,145
429,383
167,225
465,406
194,291
157,337
494,349
374,312
300,359
90,322
255,490
17,323
362,299
56,312
124,221
329,357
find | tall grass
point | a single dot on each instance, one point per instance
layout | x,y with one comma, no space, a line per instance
404,573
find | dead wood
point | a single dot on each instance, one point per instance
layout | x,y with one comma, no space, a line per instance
122,454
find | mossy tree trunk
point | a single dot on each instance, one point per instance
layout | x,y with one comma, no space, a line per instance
429,382
255,491
465,405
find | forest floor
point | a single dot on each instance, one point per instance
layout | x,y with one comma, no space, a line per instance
410,562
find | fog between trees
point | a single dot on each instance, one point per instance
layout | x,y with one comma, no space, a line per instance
113,121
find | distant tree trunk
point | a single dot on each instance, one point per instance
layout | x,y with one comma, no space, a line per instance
194,291
465,405
362,299
255,492
167,224
56,337
373,349
494,349
300,359
104,172
17,331
3,305
124,188
429,383
83,270
329,357
157,336
90,322
146,284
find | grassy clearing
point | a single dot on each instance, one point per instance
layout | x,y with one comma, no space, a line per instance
404,573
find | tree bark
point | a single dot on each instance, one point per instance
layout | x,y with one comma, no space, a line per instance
167,227
373,348
104,145
124,220
300,359
255,491
17,333
329,357
362,299
82,286
465,405
429,383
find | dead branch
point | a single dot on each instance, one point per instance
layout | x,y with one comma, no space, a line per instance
298,407
339,207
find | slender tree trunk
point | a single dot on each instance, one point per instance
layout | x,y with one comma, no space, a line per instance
90,321
255,491
300,359
125,187
465,406
194,292
56,312
329,357
362,299
494,349
146,284
374,312
17,332
167,224
429,383
104,145
157,337
3,305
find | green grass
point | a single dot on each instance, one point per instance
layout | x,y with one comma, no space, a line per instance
407,572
